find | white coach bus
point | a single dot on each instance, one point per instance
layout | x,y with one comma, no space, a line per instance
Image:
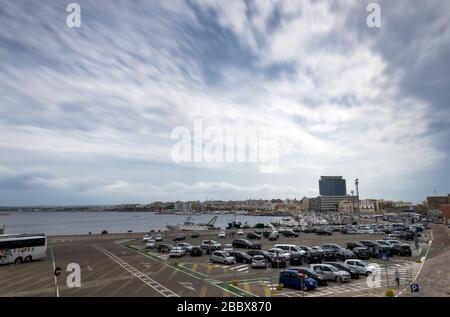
18,248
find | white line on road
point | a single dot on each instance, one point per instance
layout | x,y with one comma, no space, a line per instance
143,277
54,269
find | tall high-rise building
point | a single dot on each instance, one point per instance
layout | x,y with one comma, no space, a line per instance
332,186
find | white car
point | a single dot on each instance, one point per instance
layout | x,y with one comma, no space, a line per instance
331,273
222,257
222,235
158,238
211,244
259,261
177,252
228,248
146,238
150,244
393,242
186,246
281,253
275,233
360,266
240,232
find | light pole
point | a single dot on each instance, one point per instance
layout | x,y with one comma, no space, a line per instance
357,195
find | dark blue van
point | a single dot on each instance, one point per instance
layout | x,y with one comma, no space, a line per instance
290,278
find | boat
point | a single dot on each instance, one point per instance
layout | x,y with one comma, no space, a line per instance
286,222
188,225
234,224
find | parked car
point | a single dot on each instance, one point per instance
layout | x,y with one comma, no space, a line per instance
374,248
177,252
195,235
393,242
164,248
151,244
361,253
309,255
331,273
290,278
211,245
241,257
408,235
341,266
228,247
330,254
222,235
253,236
402,249
323,232
290,233
360,266
320,278
277,252
145,238
386,244
272,237
268,256
291,248
320,250
179,237
222,257
391,236
259,261
341,253
158,238
185,245
196,251
240,232
278,262
297,229
242,243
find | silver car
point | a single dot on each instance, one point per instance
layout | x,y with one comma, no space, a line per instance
222,257
259,261
331,273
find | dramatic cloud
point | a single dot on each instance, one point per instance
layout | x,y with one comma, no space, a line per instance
86,114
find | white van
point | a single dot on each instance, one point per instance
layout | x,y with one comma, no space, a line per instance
291,248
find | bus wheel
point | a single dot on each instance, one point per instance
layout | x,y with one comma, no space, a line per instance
18,260
28,259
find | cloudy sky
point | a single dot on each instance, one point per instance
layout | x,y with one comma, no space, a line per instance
86,114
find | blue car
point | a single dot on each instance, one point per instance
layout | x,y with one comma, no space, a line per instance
290,278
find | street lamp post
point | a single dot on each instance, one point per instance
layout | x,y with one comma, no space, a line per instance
357,196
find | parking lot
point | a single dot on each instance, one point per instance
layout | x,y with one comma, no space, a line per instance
263,282
119,265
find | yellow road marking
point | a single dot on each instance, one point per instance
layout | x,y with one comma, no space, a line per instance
121,287
172,274
195,266
247,287
203,290
267,292
209,269
160,270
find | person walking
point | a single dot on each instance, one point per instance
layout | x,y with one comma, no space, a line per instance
397,277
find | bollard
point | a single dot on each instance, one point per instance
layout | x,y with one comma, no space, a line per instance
418,260
389,293
280,287
234,282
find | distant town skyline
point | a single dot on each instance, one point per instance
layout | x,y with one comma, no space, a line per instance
86,114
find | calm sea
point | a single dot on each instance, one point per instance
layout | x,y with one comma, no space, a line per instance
71,223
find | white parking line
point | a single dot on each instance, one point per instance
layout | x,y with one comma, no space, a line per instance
143,277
